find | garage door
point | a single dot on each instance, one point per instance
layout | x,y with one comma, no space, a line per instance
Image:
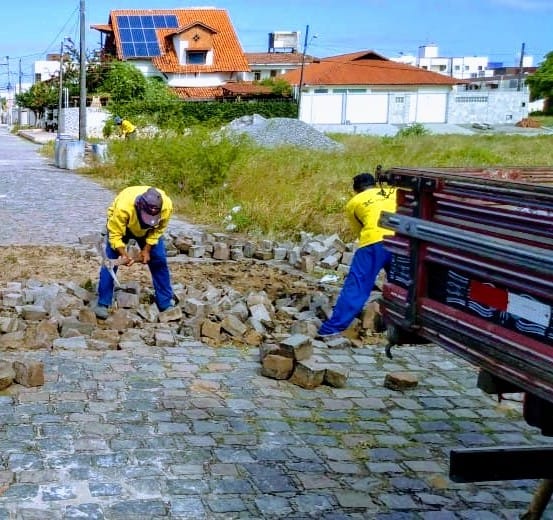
431,108
366,108
326,109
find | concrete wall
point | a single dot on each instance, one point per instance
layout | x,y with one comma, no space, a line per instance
495,107
406,107
95,121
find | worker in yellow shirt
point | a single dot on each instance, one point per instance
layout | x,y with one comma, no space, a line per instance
141,213
363,212
128,130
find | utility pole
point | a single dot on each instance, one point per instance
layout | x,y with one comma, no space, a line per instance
521,69
302,67
19,104
82,75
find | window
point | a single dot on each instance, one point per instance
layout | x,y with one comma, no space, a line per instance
274,73
443,68
321,91
196,57
339,90
457,67
400,99
471,99
256,75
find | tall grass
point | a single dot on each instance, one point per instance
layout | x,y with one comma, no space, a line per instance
280,192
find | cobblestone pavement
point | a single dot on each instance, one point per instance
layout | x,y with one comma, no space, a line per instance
195,432
42,204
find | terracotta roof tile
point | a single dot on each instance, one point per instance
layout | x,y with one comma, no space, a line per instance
228,54
246,88
365,68
199,93
228,89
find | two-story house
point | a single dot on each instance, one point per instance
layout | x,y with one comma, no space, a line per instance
195,50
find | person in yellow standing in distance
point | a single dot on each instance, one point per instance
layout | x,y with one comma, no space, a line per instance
128,130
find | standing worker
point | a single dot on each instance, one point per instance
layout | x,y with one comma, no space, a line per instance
363,212
128,130
141,213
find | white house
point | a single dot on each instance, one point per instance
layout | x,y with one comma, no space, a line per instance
366,88
194,50
348,92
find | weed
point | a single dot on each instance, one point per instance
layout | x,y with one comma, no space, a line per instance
285,190
413,130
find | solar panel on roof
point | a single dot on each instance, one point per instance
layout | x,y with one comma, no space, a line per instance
147,21
158,21
171,21
138,35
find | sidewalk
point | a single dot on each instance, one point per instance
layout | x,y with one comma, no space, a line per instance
37,135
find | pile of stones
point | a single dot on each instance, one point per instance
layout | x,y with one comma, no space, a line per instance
37,315
293,359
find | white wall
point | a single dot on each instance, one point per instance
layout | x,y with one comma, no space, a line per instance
95,120
350,106
207,79
495,107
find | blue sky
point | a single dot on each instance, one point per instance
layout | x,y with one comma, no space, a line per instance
493,28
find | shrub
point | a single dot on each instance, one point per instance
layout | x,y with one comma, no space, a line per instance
413,130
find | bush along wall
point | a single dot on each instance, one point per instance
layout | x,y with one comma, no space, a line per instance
181,114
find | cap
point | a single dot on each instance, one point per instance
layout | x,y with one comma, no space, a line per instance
149,206
363,181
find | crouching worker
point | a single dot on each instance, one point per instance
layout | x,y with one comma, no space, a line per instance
363,212
128,130
141,213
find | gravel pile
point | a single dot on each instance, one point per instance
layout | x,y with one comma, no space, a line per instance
282,131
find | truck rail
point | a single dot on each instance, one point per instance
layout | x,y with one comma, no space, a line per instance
472,272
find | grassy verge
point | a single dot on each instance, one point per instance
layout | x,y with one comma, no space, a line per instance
280,192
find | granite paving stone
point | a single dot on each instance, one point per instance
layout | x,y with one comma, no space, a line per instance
194,432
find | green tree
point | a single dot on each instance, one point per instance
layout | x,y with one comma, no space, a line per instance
279,86
541,82
39,97
124,82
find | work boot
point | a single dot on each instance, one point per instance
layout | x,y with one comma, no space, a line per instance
101,312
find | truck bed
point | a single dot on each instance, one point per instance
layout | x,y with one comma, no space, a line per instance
472,268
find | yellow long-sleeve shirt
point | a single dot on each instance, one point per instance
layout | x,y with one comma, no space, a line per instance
127,127
123,217
363,211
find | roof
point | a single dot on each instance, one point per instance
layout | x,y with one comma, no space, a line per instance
227,90
277,58
365,68
228,55
198,93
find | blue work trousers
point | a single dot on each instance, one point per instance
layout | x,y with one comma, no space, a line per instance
365,266
159,270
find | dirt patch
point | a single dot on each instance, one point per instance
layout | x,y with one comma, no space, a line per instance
59,264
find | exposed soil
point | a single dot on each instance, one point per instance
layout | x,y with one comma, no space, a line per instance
59,264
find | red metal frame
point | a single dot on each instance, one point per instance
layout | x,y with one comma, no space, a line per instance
496,311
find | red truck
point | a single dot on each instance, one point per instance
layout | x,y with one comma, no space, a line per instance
472,272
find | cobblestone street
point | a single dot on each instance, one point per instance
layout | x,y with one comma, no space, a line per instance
195,432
